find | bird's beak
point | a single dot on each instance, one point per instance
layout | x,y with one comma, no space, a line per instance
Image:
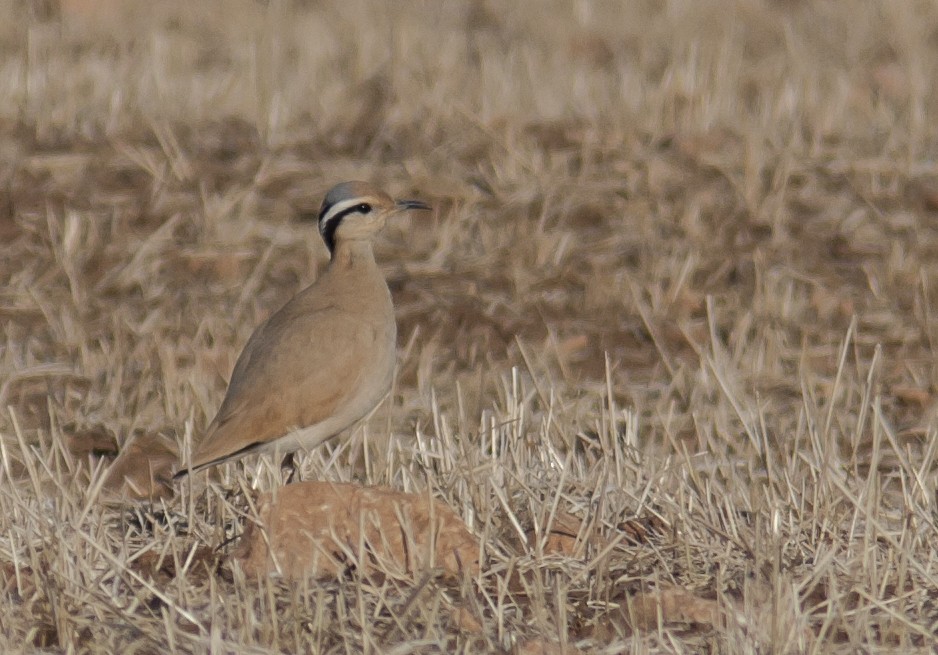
404,205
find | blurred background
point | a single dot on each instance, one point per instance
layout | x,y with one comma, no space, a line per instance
599,169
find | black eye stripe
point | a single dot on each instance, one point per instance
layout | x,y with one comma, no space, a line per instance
328,228
362,208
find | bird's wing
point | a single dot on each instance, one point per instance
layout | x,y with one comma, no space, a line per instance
295,371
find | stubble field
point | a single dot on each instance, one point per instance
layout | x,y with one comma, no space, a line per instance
666,341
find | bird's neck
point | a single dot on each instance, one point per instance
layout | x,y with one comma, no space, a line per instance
352,254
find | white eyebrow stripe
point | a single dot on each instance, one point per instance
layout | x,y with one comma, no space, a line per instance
339,208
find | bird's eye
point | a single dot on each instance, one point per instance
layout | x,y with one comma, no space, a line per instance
364,208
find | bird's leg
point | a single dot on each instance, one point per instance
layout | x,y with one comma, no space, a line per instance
289,464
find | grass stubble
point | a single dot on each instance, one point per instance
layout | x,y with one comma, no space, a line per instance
666,343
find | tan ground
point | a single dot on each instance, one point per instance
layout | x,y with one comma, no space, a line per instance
667,343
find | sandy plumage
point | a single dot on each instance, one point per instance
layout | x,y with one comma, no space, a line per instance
326,358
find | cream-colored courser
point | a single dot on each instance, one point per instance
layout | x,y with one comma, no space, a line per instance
327,357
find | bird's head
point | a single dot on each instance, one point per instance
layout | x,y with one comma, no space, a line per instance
357,210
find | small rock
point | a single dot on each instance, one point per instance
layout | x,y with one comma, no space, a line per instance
144,469
316,529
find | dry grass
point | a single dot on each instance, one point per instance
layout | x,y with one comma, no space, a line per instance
666,345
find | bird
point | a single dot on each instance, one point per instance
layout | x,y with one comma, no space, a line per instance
327,357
